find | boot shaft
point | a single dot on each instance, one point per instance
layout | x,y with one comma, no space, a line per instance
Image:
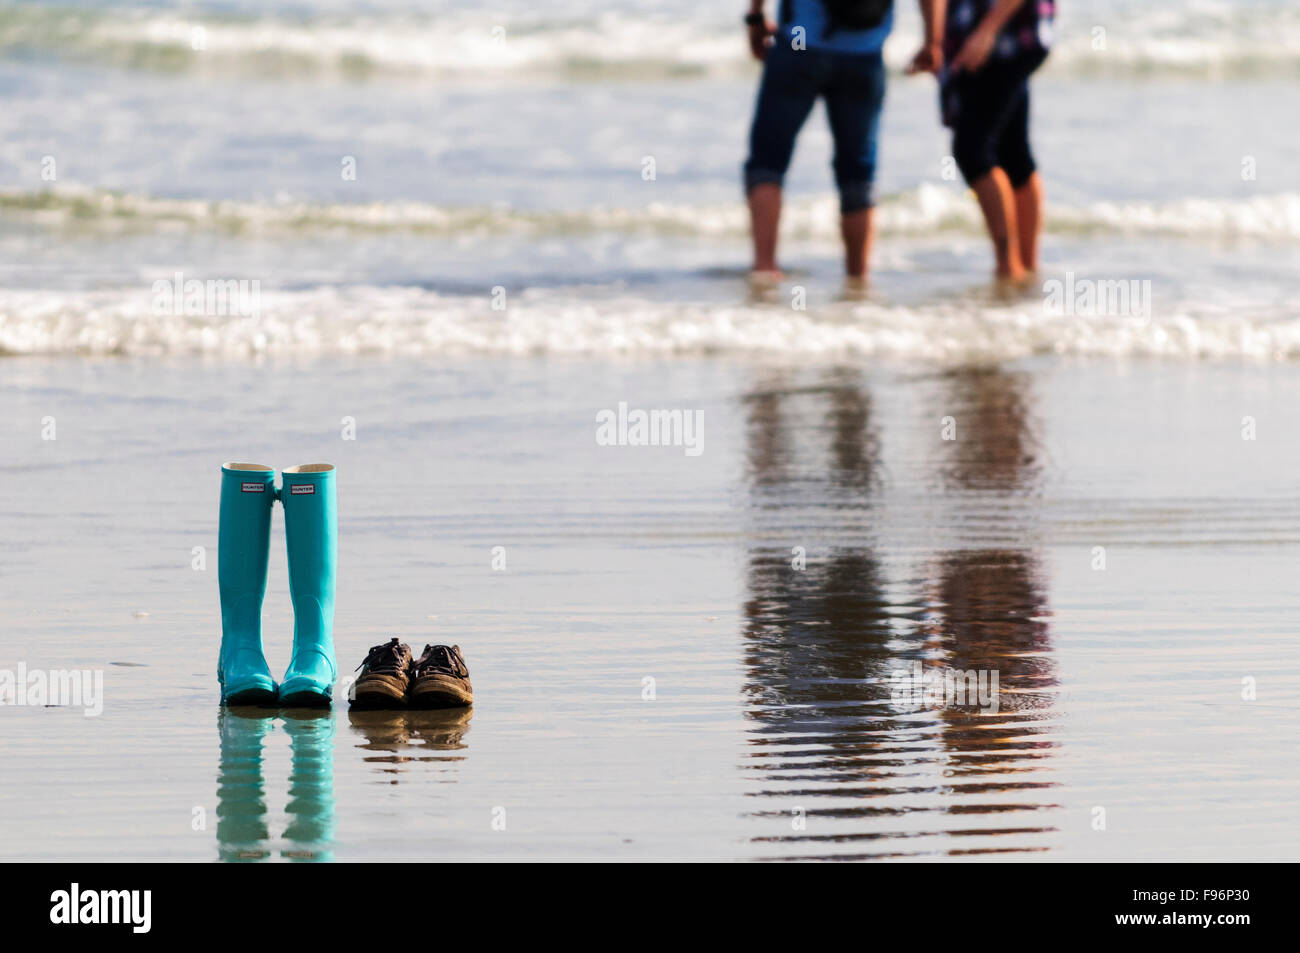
311,537
311,534
244,544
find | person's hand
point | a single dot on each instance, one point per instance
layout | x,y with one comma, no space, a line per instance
928,59
759,34
974,53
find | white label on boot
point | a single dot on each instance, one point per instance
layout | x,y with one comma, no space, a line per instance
302,489
254,487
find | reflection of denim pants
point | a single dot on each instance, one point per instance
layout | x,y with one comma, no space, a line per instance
853,85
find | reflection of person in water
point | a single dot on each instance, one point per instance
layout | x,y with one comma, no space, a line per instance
989,603
989,600
823,640
242,830
816,634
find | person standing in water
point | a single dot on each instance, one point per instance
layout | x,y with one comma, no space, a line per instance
991,48
829,49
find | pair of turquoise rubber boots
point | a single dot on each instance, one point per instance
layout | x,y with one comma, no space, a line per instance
248,493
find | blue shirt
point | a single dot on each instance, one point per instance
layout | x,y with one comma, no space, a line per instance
811,15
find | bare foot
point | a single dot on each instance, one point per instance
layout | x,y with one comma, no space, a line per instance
856,287
1006,289
764,286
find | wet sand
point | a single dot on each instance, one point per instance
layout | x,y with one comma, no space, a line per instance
770,729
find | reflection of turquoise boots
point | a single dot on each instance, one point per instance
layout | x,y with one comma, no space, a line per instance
243,542
310,832
242,833
241,793
311,532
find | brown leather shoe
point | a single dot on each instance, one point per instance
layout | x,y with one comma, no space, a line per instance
441,679
385,677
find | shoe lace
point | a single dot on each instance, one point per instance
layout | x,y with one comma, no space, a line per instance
441,658
386,659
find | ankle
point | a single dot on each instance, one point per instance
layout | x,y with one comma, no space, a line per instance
1007,256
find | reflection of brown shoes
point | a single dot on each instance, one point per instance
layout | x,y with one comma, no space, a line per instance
441,679
441,730
385,676
385,731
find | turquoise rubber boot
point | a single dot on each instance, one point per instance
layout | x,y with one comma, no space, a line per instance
311,531
243,544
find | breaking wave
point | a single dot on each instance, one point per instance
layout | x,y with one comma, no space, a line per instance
412,321
926,210
1206,38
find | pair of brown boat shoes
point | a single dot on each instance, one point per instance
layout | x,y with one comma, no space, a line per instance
391,677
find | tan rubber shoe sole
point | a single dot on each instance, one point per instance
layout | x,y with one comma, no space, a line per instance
440,691
379,691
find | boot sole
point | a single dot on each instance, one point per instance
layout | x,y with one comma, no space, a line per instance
305,700
259,697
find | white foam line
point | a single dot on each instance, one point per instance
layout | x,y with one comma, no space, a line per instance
412,321
926,210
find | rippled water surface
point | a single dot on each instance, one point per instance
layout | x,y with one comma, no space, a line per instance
683,656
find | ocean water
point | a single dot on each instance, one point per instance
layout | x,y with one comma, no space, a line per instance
675,656
499,204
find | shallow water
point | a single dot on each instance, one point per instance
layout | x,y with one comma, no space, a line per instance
772,732
211,140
